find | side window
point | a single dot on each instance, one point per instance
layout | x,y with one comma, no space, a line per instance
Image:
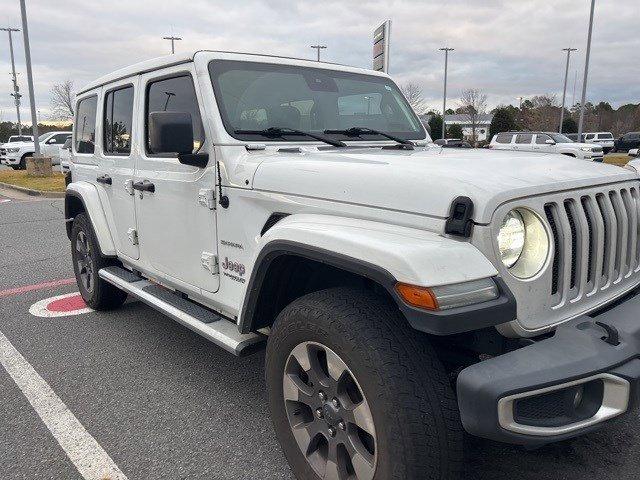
60,138
542,139
178,94
524,138
118,113
504,138
85,126
589,136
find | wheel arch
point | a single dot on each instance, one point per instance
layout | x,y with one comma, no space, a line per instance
82,197
346,252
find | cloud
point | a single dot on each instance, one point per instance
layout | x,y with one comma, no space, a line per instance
507,49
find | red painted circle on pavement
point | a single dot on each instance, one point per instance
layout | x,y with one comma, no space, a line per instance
67,304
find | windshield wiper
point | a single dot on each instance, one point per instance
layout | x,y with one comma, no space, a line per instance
279,132
358,131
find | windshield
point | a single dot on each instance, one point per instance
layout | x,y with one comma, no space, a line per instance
43,137
559,138
257,96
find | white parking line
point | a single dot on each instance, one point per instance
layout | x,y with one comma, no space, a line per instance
83,450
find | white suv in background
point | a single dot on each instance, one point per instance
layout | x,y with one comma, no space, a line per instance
546,142
15,155
604,139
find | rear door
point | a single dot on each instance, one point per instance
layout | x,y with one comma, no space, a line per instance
524,142
177,221
116,163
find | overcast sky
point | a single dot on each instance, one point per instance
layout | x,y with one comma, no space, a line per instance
505,48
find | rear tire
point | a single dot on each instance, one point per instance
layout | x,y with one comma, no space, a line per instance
385,365
87,261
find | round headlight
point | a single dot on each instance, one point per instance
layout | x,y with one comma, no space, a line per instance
511,238
523,243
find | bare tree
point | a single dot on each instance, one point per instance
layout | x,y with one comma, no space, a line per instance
473,103
62,100
413,93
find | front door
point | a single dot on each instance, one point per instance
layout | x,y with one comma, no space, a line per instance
176,221
541,144
52,147
116,162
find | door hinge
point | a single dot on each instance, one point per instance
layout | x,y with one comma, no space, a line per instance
206,198
209,262
132,233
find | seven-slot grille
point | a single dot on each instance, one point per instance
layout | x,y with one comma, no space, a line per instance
596,240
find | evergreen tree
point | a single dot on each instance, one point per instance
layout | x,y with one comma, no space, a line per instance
502,121
435,123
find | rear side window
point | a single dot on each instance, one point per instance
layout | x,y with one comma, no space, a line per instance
176,94
606,136
524,138
85,126
118,112
504,138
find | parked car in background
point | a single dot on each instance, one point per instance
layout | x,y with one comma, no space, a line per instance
635,152
604,139
452,143
15,155
546,142
627,141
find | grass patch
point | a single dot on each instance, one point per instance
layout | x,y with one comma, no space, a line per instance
19,178
619,159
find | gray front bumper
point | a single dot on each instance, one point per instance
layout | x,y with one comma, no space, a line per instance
576,354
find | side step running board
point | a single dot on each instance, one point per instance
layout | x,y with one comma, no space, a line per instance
210,325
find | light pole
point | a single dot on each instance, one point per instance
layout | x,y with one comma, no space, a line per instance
446,51
16,90
32,100
173,40
586,71
564,91
318,48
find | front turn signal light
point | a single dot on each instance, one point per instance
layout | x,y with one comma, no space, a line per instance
421,297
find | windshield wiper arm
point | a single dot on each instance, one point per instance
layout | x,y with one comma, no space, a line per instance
279,132
358,131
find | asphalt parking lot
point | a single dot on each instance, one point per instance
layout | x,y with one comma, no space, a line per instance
165,404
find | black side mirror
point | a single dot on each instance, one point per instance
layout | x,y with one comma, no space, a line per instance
170,132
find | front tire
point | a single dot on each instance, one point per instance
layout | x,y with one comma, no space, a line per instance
87,261
360,393
23,161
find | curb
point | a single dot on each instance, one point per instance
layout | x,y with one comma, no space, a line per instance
33,193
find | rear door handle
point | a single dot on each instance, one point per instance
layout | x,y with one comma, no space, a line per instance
106,179
144,186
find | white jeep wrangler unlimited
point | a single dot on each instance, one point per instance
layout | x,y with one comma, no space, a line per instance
404,292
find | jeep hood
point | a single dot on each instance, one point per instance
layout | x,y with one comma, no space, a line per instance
426,180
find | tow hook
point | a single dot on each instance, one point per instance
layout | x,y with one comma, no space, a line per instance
613,336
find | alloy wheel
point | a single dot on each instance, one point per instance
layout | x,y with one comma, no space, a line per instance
329,415
84,261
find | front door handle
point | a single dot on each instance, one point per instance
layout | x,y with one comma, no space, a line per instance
144,186
106,179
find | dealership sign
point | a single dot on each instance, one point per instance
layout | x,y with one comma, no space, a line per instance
381,39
